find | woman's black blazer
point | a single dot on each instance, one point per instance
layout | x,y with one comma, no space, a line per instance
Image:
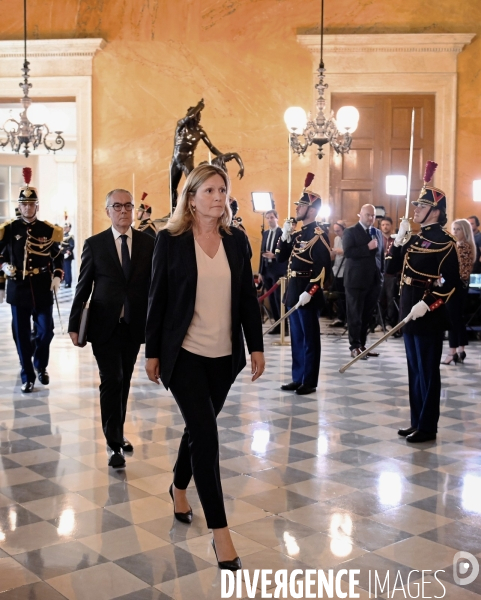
172,299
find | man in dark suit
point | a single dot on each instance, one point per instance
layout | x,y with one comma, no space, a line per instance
270,269
117,263
363,277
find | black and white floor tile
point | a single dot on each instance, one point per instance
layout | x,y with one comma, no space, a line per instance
314,482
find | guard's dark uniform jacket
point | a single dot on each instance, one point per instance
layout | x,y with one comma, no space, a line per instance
309,264
148,227
429,271
68,245
33,248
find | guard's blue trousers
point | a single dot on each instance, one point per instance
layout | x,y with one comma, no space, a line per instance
423,353
39,349
305,346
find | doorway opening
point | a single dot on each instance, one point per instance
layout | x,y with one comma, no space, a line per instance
380,147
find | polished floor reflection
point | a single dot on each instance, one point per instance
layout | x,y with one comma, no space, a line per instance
313,482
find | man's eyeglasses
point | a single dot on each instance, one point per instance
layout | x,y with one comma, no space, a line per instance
117,206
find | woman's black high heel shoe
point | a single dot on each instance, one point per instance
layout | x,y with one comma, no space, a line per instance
451,358
230,565
182,517
462,356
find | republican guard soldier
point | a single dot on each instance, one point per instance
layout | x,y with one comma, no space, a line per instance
32,262
429,267
144,213
309,262
68,245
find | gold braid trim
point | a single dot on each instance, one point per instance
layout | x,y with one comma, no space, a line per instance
321,237
416,250
433,242
319,278
447,295
309,262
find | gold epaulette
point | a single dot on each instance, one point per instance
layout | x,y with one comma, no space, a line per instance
449,234
57,235
2,227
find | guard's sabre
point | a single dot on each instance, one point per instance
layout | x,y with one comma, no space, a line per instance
58,310
410,171
289,312
289,178
380,340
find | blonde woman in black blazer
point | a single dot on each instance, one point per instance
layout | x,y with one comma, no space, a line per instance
202,299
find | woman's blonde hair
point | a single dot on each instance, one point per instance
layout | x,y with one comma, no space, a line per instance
183,218
468,234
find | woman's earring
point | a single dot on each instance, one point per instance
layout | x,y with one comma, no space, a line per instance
192,207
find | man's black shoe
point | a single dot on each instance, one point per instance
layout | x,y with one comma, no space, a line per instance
420,436
43,377
290,387
304,389
406,432
27,387
356,352
116,458
127,446
373,354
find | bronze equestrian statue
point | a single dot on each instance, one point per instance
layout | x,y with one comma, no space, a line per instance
188,134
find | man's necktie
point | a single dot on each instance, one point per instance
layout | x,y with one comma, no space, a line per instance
270,239
126,269
125,256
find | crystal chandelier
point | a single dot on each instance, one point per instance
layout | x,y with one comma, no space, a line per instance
22,133
321,130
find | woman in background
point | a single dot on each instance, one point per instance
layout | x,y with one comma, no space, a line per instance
458,339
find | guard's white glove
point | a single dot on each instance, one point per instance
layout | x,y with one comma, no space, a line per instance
418,310
286,231
304,298
2,296
401,234
55,285
9,270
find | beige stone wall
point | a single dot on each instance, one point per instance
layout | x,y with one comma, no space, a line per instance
242,57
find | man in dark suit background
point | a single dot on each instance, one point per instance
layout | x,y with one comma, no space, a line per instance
270,269
363,277
117,263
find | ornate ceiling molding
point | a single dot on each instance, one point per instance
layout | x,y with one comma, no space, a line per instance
391,46
386,42
50,57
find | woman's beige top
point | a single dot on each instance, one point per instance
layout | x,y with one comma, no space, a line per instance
210,331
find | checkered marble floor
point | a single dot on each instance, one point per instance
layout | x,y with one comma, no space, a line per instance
319,482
